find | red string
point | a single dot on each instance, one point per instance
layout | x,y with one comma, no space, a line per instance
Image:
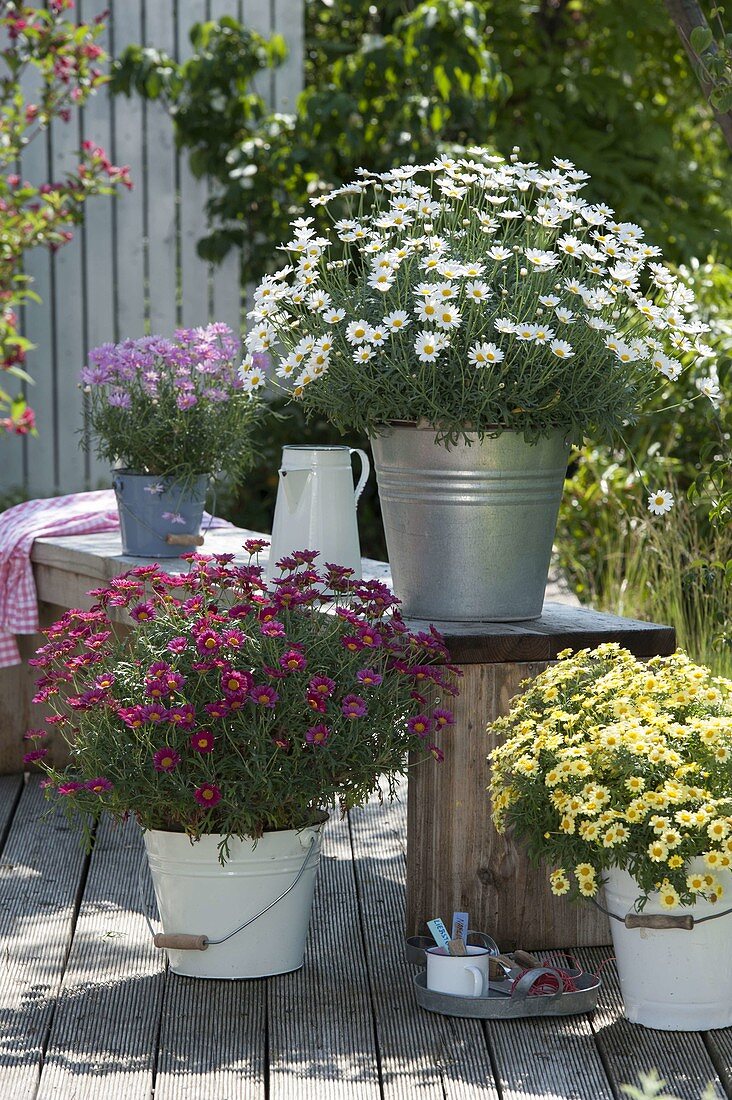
603,964
561,981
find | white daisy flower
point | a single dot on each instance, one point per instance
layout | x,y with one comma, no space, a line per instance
396,320
525,331
377,336
660,501
473,271
287,367
542,335
671,368
357,331
566,316
447,317
427,346
482,355
381,280
549,300
253,380
561,349
624,353
477,290
541,259
572,246
333,316
504,324
428,309
444,290
363,353
709,387
499,253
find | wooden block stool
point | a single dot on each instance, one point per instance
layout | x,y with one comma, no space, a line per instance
455,858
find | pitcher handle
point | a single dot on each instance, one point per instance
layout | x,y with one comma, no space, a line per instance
365,470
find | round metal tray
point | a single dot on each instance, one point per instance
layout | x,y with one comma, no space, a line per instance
500,1006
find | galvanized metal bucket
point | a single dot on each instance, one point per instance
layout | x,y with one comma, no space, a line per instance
469,528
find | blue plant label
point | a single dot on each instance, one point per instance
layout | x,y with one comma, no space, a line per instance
460,927
439,933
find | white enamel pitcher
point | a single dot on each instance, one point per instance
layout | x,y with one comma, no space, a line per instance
316,506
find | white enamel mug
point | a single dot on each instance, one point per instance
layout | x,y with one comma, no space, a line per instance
461,975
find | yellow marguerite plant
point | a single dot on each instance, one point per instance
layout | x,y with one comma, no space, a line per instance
614,762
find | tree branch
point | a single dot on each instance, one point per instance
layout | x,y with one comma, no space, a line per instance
686,15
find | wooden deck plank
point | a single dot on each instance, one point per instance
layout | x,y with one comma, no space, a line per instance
628,1049
320,1023
212,1040
433,1057
10,788
103,1041
719,1048
40,874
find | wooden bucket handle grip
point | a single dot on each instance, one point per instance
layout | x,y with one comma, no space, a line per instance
659,920
180,941
184,540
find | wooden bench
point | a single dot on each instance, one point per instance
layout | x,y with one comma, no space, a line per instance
455,860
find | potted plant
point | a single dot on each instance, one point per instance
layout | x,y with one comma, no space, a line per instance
475,317
227,722
618,772
170,414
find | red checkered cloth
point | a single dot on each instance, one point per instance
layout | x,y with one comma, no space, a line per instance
76,514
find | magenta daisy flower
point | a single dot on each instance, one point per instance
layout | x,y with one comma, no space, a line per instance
352,642
353,706
255,546
218,709
234,682
208,642
368,677
98,785
166,759
184,716
263,695
443,717
437,753
370,637
318,702
208,794
71,787
202,741
177,645
293,660
143,612
281,742
273,629
321,685
317,735
155,712
36,754
420,724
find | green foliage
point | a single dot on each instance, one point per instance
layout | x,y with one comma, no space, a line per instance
651,1087
233,708
61,60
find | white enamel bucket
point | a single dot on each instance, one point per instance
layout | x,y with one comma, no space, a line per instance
198,897
673,979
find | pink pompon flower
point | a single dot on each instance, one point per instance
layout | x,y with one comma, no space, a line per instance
317,735
166,759
321,685
143,612
98,785
70,787
437,753
202,741
293,660
420,724
264,695
368,677
36,754
354,706
208,794
443,717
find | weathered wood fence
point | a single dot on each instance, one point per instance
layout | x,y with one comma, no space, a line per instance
133,267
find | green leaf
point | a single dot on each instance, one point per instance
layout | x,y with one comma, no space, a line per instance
701,38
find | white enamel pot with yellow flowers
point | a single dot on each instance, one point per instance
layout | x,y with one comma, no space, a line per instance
674,961
617,775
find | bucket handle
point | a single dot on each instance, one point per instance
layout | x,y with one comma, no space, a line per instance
684,921
183,941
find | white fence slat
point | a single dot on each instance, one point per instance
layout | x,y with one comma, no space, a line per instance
289,21
194,272
161,184
98,237
226,276
129,216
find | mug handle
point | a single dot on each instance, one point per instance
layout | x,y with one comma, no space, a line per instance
365,470
478,980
